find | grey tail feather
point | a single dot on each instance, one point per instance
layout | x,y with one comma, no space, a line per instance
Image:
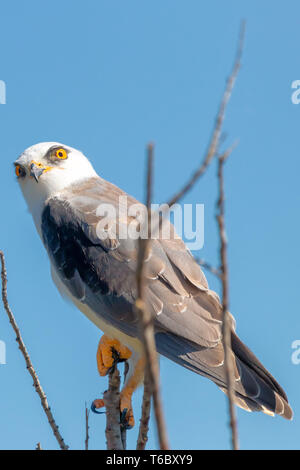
247,357
271,398
255,388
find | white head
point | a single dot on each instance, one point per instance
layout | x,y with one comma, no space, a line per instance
46,169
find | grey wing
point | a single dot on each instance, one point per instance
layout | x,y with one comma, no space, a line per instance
101,273
188,315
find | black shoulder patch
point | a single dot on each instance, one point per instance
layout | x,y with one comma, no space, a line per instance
69,247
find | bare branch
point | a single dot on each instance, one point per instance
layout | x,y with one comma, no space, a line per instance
216,271
226,325
146,319
144,422
216,134
26,356
86,442
111,400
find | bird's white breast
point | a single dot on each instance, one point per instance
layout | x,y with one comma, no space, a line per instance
132,343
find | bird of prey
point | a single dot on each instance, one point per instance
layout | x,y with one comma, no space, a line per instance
64,193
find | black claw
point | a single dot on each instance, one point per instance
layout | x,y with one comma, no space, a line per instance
117,360
123,416
123,419
111,369
94,410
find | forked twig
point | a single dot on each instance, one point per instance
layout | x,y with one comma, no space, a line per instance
146,321
26,356
217,130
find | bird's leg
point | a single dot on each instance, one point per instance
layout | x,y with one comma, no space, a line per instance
110,352
135,377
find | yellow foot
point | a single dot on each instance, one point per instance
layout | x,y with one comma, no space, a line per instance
132,383
126,412
110,351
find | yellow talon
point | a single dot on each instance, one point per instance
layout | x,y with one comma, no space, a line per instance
107,351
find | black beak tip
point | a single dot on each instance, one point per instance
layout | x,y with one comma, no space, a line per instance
36,172
36,178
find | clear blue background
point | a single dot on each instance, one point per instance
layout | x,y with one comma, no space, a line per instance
107,77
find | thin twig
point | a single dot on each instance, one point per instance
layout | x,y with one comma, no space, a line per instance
26,356
216,134
226,325
111,400
216,271
86,442
124,427
209,267
144,422
146,319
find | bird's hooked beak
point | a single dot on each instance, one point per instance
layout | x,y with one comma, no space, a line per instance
37,169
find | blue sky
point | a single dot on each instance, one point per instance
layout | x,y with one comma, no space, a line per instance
107,77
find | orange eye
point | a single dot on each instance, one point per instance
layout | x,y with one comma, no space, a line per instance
20,172
61,153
